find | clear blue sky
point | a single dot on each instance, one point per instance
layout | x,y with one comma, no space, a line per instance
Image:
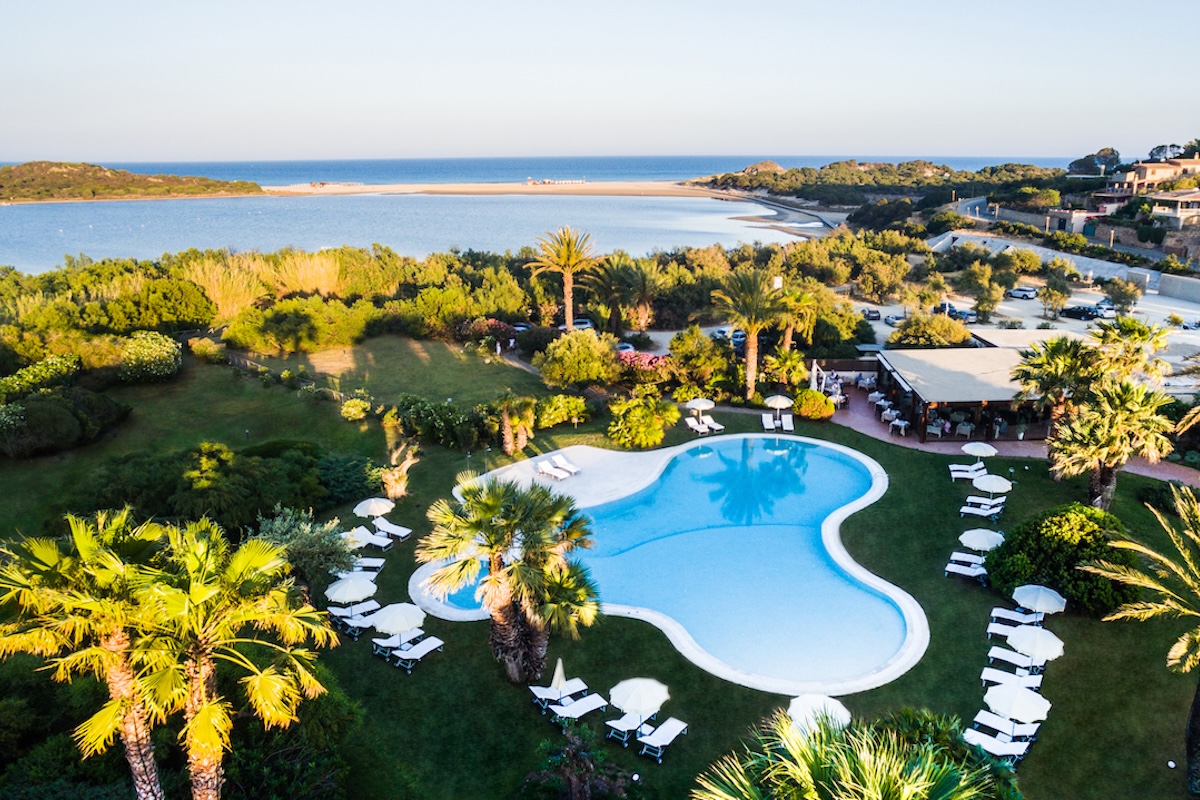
266,79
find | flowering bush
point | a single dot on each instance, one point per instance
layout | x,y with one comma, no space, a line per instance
355,409
150,357
48,372
485,331
642,368
811,404
207,350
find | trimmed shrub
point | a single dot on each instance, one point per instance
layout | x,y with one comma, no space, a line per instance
579,358
1048,548
811,404
57,420
561,408
208,351
50,371
355,409
150,357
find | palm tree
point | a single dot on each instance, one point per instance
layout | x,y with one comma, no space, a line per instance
749,302
787,367
217,605
644,282
1128,347
609,282
832,762
799,315
78,597
567,253
1121,420
516,421
1056,374
524,537
1174,588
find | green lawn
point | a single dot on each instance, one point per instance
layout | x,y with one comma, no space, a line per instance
454,729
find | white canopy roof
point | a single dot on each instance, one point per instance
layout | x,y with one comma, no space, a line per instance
957,374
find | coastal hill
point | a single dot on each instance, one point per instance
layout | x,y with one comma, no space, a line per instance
51,180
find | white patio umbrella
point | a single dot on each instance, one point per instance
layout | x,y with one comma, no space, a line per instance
374,507
641,696
699,404
1035,597
979,449
981,539
778,402
397,618
559,681
807,709
992,484
356,538
1037,643
1017,702
351,590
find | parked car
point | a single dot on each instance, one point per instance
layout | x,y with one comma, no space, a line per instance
625,347
944,308
1079,312
1023,292
870,313
894,319
738,338
1105,312
581,324
966,316
521,327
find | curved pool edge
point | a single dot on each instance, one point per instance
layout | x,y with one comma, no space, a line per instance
644,468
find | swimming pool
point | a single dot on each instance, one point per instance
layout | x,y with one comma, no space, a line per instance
730,545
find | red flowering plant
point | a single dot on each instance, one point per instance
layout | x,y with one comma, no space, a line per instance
643,368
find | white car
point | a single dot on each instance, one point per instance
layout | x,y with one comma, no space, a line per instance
894,319
581,324
1105,312
1023,292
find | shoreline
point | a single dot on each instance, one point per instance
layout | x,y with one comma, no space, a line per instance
564,188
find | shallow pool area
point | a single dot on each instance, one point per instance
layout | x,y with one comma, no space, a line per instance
730,545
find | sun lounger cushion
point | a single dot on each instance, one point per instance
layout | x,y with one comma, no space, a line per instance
966,558
561,462
712,424
369,564
1003,725
1000,629
987,512
968,471
789,424
546,468
993,675
1013,657
768,422
578,708
365,607
544,695
992,745
976,500
656,742
1034,618
696,426
407,659
384,647
392,529
967,571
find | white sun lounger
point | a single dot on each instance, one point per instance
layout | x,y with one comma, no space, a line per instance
382,542
564,713
340,612
627,727
986,502
392,529
987,512
967,558
365,574
697,427
546,468
1013,657
1007,727
656,742
789,425
561,462
407,659
968,571
968,471
993,675
1000,629
1013,751
1032,618
384,647
768,422
543,696
712,424
369,564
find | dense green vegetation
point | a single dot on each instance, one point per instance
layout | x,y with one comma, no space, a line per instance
51,180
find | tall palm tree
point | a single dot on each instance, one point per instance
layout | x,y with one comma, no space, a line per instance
566,252
525,537
1121,420
516,421
787,366
831,762
78,597
1128,347
750,302
217,605
1056,375
1173,585
645,281
608,283
799,315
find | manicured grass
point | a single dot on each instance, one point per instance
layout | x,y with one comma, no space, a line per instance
455,729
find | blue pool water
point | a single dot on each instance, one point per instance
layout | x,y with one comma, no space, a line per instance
727,542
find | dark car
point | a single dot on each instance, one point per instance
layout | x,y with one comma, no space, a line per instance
945,308
966,316
1079,312
870,313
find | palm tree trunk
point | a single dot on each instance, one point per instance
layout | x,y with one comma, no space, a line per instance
537,638
1102,486
135,728
1193,747
506,433
505,638
788,333
569,300
751,363
204,762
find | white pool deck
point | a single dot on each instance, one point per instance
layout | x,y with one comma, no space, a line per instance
607,475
